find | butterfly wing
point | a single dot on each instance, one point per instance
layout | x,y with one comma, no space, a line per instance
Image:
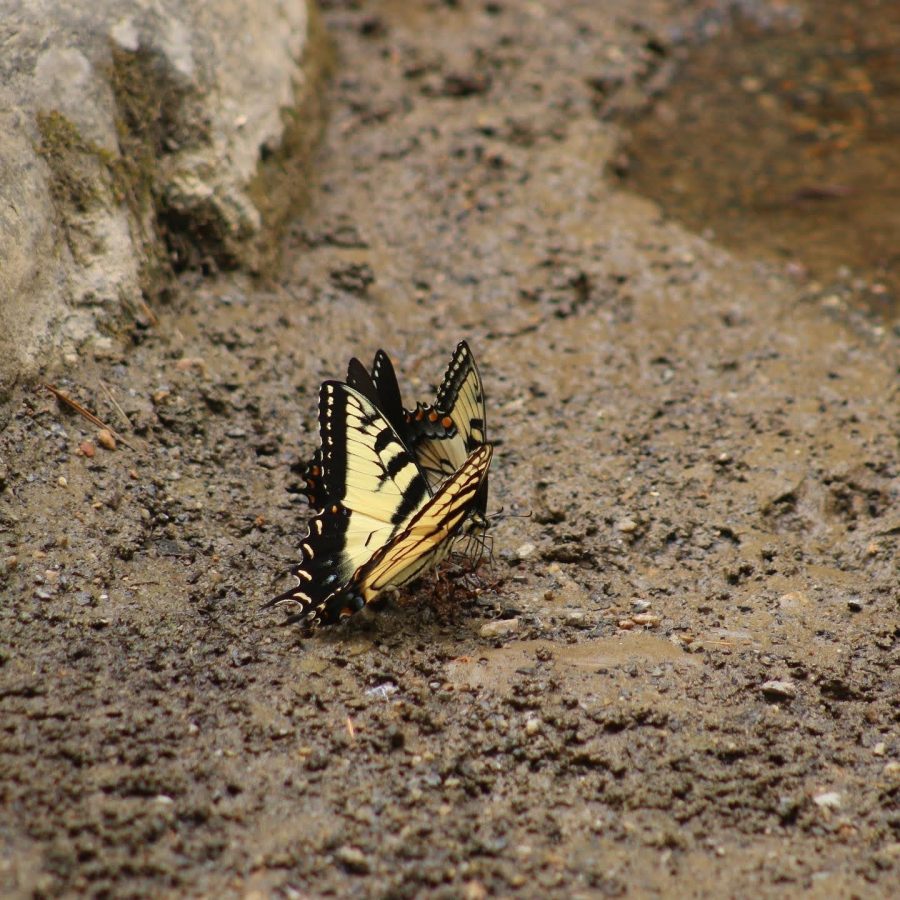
382,390
372,487
422,544
444,435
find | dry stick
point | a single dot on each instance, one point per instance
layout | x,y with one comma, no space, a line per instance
112,399
74,404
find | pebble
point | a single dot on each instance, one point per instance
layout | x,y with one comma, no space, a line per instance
533,727
354,860
87,449
382,691
525,550
892,770
649,619
576,619
62,481
626,624
880,748
793,600
640,606
186,363
779,690
499,628
474,890
105,439
626,526
828,800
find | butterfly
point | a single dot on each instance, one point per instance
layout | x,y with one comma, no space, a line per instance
440,436
381,524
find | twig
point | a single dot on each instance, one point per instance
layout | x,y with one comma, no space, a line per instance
112,399
151,316
65,399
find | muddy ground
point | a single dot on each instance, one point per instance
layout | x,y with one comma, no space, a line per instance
694,688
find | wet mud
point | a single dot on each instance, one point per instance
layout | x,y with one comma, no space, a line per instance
678,675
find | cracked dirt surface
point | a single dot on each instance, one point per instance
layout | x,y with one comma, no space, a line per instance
691,682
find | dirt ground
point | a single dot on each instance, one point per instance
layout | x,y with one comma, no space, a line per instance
689,683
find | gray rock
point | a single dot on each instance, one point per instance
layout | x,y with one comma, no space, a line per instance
499,628
778,690
130,137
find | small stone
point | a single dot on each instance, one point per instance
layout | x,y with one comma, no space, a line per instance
626,624
382,691
626,526
186,363
525,550
62,481
576,619
474,890
105,439
86,448
892,770
640,606
499,628
778,690
793,600
533,727
854,606
880,748
873,548
651,620
353,860
828,800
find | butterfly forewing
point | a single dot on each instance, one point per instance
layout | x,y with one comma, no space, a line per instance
373,487
459,411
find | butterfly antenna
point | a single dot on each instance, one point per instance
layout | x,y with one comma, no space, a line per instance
501,514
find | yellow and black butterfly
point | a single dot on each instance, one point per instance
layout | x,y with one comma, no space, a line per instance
380,523
440,436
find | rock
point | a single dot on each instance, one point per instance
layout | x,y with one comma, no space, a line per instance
130,134
828,800
499,628
778,690
575,618
626,526
525,550
106,439
353,860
